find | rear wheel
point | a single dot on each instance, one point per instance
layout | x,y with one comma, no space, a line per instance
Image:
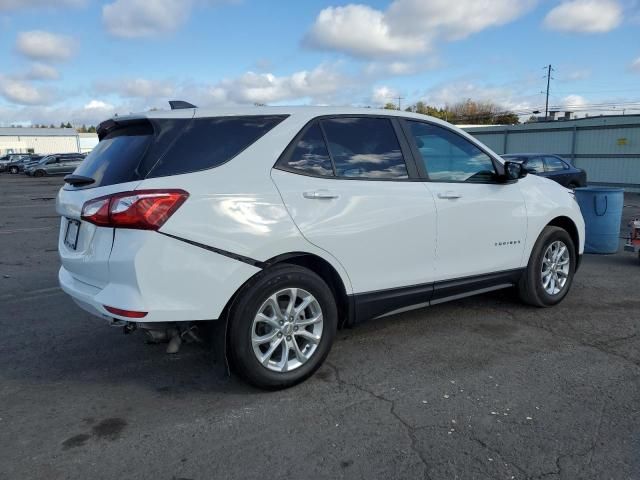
39,173
281,327
549,273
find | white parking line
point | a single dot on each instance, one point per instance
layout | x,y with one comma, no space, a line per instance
40,293
19,230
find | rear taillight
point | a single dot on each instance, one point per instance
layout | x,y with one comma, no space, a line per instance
142,210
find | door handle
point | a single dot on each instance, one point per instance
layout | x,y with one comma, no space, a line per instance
320,195
449,195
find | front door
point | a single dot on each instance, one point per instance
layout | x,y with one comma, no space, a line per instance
482,222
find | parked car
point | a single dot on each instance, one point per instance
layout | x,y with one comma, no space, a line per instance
283,224
11,162
551,166
54,165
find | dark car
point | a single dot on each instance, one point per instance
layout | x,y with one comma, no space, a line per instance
16,162
61,164
552,167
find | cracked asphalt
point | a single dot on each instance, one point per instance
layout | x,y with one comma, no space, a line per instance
483,388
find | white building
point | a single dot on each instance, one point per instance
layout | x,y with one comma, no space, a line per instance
88,141
38,140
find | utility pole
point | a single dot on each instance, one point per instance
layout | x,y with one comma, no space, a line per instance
399,105
546,106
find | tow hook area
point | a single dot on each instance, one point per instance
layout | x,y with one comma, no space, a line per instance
172,333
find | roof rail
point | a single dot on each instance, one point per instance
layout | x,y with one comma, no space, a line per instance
178,104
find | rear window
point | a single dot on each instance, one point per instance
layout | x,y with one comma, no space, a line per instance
162,147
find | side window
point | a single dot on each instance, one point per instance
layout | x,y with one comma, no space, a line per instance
535,164
554,164
206,143
310,155
449,157
364,147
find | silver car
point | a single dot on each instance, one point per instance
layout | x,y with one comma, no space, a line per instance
54,165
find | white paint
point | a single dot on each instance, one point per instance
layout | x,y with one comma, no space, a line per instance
376,234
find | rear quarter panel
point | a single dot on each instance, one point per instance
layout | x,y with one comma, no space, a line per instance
236,207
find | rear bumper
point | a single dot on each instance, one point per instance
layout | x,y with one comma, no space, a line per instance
170,280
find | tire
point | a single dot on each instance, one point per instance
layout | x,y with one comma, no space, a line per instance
531,287
39,173
245,325
13,170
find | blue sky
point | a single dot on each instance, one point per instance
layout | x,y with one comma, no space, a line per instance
84,60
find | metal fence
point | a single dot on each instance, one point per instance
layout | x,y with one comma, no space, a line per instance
608,148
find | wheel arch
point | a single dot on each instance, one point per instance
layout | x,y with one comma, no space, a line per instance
320,267
328,273
570,227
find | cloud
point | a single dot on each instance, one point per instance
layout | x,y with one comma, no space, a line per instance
319,85
47,46
361,31
145,18
14,5
572,102
585,16
41,71
322,84
137,87
407,27
99,105
23,92
383,95
399,68
635,65
510,97
149,18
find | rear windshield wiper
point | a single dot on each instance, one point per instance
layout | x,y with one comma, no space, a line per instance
78,180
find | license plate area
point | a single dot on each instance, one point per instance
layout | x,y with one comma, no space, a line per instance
71,235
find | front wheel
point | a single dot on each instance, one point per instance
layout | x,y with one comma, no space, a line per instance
281,327
550,271
13,170
38,173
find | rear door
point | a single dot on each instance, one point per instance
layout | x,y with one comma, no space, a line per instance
351,190
482,222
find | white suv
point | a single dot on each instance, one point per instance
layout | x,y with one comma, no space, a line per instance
283,224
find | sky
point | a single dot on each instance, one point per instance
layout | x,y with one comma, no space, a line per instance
82,61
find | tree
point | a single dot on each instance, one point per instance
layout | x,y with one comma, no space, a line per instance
390,106
91,129
480,113
61,125
68,125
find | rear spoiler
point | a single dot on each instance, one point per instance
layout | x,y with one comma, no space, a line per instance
179,104
109,125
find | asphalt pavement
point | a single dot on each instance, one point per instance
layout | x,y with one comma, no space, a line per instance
483,388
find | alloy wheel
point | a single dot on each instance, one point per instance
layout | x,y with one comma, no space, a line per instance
287,329
555,267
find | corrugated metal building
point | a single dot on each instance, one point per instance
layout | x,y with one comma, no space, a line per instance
607,147
38,140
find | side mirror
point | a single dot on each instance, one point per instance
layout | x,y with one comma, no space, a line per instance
514,171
